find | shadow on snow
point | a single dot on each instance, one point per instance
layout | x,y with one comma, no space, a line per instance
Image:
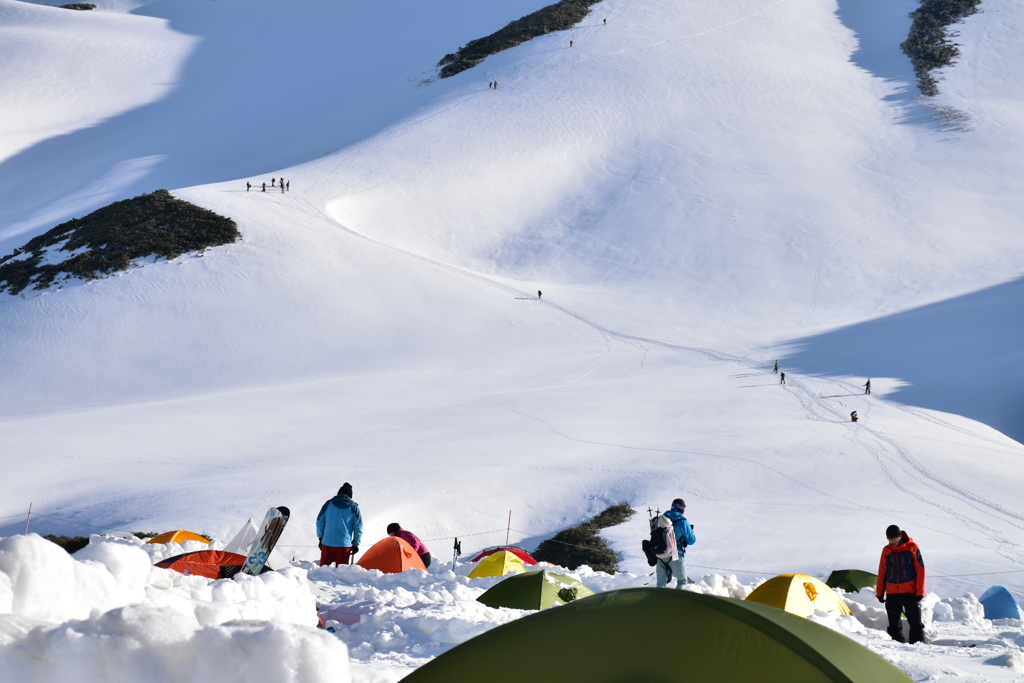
963,356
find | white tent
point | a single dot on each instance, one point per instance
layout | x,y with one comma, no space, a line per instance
243,540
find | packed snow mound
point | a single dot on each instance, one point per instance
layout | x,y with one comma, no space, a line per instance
107,614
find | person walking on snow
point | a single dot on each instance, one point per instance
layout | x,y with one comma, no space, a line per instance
395,529
339,528
782,378
867,387
538,294
247,186
901,584
672,562
776,367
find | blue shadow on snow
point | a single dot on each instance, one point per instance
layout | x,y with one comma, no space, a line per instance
963,356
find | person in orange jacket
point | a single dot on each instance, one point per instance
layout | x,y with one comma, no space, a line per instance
901,584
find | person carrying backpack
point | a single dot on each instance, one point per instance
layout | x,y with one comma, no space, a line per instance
683,536
901,584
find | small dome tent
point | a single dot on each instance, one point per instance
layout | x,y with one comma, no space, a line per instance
999,603
610,637
179,536
526,557
535,590
498,564
851,580
798,594
391,555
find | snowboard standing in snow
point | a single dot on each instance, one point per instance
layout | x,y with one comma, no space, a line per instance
270,531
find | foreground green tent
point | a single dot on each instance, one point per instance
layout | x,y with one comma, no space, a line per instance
535,590
657,635
851,580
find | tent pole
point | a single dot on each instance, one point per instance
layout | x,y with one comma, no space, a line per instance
509,527
29,518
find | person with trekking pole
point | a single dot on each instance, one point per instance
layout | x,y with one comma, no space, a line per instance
339,528
671,533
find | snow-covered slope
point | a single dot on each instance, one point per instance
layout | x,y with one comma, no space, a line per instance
697,190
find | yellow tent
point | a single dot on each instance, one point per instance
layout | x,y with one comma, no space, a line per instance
798,593
179,536
498,564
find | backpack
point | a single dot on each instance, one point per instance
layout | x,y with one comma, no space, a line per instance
657,544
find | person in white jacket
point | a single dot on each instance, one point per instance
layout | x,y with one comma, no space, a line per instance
670,564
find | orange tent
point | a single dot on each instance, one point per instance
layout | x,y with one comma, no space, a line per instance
179,536
391,555
213,564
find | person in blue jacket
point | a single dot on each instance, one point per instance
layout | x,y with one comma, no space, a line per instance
339,528
684,537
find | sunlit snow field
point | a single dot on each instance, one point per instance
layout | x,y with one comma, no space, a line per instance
697,189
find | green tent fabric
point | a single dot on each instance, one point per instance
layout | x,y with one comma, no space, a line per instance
660,636
851,580
535,590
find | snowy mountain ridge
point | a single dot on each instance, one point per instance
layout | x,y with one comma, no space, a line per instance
697,192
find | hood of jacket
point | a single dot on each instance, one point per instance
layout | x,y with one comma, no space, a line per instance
675,515
342,502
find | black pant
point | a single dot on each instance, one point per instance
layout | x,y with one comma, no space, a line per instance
898,604
426,559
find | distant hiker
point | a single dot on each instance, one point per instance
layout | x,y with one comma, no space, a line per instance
247,186
867,387
272,181
672,562
495,85
570,43
264,187
288,186
538,294
395,529
901,577
605,22
490,85
853,416
339,528
782,378
776,367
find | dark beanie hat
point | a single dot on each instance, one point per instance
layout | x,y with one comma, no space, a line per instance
394,528
345,490
893,531
678,504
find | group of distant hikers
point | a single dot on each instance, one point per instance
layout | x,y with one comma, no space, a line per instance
274,182
853,415
901,573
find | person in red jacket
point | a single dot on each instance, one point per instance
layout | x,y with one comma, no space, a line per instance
901,584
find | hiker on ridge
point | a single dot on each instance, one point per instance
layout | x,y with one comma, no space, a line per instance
395,529
901,582
776,367
782,378
339,528
674,564
867,387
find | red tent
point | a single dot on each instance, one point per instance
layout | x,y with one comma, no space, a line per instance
526,557
213,564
